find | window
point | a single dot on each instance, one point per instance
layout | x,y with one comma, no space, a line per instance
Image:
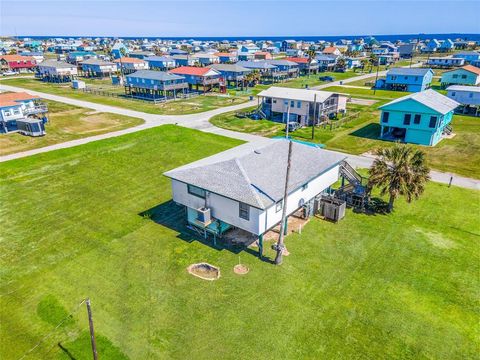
385,116
417,118
304,186
274,101
455,76
278,206
464,76
196,191
453,93
405,77
299,104
416,78
433,122
406,119
470,95
292,103
244,211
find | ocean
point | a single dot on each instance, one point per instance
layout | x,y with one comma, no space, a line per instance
393,38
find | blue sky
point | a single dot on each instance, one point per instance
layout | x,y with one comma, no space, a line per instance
236,18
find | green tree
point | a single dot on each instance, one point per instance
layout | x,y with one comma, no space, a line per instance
399,171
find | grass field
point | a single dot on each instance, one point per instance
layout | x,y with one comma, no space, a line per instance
179,107
460,155
399,286
67,122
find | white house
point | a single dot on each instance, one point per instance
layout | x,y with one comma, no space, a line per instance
445,61
130,65
244,187
468,96
300,105
23,113
56,71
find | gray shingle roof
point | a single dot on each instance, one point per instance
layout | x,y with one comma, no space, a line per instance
408,71
96,62
154,75
431,99
257,177
56,64
230,67
256,65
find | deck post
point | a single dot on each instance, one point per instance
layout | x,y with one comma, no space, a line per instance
260,246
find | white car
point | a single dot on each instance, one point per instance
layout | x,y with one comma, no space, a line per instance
9,72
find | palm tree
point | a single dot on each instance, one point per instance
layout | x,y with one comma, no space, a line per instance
341,63
400,170
373,60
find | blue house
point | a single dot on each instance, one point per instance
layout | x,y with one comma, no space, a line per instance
468,56
160,62
407,79
446,46
420,118
76,57
153,85
431,46
232,74
119,50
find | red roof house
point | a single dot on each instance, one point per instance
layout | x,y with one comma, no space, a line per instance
17,62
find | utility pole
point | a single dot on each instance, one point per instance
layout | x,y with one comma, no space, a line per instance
376,78
92,332
314,115
280,246
288,120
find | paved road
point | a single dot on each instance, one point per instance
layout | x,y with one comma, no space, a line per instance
196,121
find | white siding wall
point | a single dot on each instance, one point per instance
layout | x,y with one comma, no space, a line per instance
221,207
227,210
315,187
281,107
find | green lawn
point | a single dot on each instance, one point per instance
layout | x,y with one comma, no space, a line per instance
399,286
67,122
460,155
179,107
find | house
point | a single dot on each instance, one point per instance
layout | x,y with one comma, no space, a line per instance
37,55
288,45
76,57
244,187
199,76
331,50
232,74
326,62
466,75
285,69
184,60
406,51
163,63
467,96
408,79
128,65
420,118
141,54
56,71
351,62
206,58
23,113
305,65
262,55
446,46
431,46
178,52
262,67
119,50
246,56
468,56
445,62
17,63
300,105
98,68
227,57
153,85
249,48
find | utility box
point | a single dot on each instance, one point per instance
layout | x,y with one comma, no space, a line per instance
331,209
203,216
78,84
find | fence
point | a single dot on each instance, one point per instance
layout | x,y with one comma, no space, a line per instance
334,124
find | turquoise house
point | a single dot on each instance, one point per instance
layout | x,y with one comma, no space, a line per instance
466,75
420,118
407,79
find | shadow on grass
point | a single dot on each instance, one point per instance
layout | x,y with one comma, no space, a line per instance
376,206
370,131
66,352
173,216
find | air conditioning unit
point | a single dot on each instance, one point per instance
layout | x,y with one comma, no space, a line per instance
203,216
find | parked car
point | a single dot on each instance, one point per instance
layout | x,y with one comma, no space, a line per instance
326,78
292,126
9,72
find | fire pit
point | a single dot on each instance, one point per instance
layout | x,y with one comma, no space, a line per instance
240,269
204,271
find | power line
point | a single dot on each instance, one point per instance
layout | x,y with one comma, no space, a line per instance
55,329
